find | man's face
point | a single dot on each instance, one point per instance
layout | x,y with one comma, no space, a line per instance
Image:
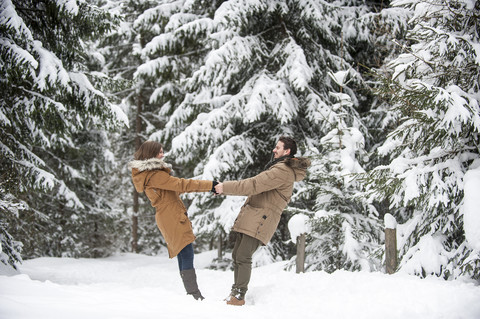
279,151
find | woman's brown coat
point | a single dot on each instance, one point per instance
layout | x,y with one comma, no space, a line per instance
152,176
268,194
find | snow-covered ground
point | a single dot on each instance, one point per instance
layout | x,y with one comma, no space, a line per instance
138,286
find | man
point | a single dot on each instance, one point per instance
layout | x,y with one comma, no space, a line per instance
268,194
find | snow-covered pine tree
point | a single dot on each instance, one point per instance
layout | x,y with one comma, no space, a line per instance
48,105
151,52
267,74
433,90
175,54
346,232
10,249
120,54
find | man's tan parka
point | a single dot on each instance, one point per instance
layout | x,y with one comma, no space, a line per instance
268,194
152,176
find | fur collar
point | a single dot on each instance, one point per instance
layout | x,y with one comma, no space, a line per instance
298,162
149,164
291,161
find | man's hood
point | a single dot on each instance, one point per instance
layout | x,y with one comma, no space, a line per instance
299,166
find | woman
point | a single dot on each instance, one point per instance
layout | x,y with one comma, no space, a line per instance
151,175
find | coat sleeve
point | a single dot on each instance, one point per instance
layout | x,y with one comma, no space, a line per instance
163,180
263,182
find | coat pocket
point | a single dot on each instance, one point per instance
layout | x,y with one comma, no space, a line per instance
183,217
158,193
251,218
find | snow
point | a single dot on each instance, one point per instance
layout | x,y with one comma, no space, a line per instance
139,286
228,211
10,18
390,221
296,68
50,70
69,5
471,204
297,225
427,256
340,77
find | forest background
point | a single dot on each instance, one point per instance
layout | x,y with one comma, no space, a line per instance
382,96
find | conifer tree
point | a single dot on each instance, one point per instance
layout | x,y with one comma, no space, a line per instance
153,56
271,71
432,89
49,104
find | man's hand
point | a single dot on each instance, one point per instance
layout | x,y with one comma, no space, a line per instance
219,188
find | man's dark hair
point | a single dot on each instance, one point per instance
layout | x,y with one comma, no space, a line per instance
289,144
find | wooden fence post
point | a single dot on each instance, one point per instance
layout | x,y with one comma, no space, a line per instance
300,261
390,244
220,247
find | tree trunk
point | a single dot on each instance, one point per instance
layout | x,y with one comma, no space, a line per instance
135,222
138,143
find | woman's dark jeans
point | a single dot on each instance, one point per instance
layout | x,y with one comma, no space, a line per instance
185,258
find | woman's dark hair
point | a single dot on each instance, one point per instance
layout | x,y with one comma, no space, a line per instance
289,144
149,149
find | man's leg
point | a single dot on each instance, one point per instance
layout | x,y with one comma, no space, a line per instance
238,238
244,248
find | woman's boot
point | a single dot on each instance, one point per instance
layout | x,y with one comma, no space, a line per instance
190,282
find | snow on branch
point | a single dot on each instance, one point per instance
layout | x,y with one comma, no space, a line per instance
50,69
227,155
177,20
233,14
156,66
319,112
153,14
427,257
163,41
175,31
270,96
203,25
222,65
10,19
70,6
207,127
295,68
461,110
19,55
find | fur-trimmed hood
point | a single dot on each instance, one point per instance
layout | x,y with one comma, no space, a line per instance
298,162
299,166
141,171
149,164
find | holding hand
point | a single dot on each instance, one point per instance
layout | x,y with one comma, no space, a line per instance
214,183
219,188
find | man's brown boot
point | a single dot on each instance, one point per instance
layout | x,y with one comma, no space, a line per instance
235,302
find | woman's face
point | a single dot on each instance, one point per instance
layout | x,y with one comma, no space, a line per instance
160,154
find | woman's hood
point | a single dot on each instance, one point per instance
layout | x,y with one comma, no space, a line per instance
140,169
149,164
